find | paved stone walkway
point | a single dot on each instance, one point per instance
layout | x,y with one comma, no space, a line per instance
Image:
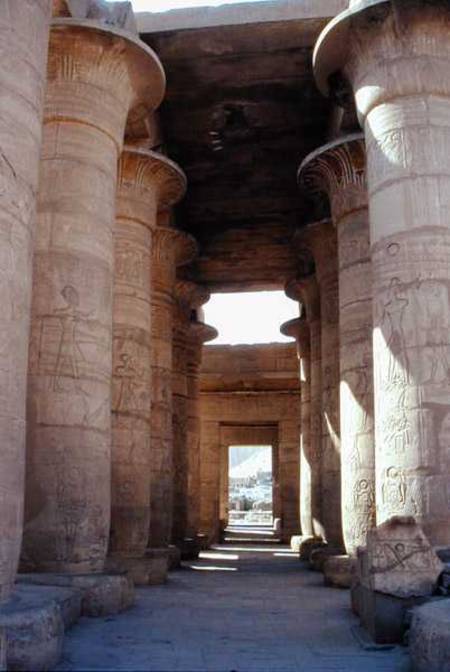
234,610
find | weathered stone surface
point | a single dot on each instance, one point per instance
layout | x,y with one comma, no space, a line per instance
338,571
337,170
308,545
97,78
24,29
403,102
400,560
147,182
34,628
429,637
3,649
102,594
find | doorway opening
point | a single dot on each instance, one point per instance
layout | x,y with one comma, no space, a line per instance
250,485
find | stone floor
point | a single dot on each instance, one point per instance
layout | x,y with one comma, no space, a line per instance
237,609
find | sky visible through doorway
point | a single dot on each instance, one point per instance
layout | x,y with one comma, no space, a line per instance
167,5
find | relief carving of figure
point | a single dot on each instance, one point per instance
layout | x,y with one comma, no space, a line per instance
437,329
394,489
392,323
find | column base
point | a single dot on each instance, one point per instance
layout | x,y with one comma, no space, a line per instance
296,542
147,570
308,545
319,556
429,637
34,620
189,548
101,594
174,557
338,571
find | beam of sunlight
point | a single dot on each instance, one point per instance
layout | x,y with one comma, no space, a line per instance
212,568
250,317
218,556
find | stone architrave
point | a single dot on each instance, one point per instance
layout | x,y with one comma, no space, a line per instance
24,30
337,171
299,329
147,181
171,248
188,297
399,560
199,334
396,57
98,77
306,291
321,239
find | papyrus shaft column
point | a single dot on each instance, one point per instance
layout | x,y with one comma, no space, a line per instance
24,31
147,181
199,334
321,238
171,248
337,171
306,292
299,329
189,297
397,61
96,78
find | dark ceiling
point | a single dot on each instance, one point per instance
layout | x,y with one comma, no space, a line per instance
241,113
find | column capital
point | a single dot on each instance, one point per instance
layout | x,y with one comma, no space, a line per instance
305,290
170,243
190,294
202,333
298,329
386,37
147,176
337,171
86,52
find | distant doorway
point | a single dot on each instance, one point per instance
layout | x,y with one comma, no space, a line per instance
250,485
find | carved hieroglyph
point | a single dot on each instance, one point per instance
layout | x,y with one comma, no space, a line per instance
97,77
299,329
24,27
171,248
403,101
306,292
188,297
338,171
146,181
321,240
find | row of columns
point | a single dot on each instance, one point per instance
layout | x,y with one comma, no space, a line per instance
390,225
89,292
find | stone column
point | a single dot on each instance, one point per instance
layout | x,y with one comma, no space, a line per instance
189,296
321,239
97,78
306,291
337,171
171,248
299,329
24,30
199,334
403,102
147,181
